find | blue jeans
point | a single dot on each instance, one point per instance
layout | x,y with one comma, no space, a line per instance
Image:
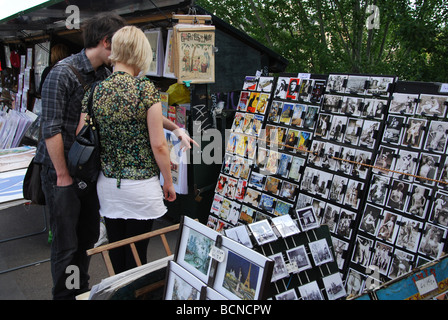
74,222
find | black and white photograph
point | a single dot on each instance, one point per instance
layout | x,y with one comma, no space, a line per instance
432,241
413,133
406,165
310,291
346,223
307,218
374,108
281,88
402,263
265,84
321,252
370,219
418,200
335,83
351,106
409,234
334,287
378,190
362,159
240,235
388,228
381,257
332,103
337,128
356,85
385,160
323,125
298,259
354,284
393,129
296,168
280,271
403,103
287,295
353,131
428,168
285,225
437,137
362,251
343,166
338,189
354,193
310,117
398,194
439,210
443,179
379,86
306,85
432,105
369,134
327,160
330,216
262,232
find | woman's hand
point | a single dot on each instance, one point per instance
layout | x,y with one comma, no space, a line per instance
185,139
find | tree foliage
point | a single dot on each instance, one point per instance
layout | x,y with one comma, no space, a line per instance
324,36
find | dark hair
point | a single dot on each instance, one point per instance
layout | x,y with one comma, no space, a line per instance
99,26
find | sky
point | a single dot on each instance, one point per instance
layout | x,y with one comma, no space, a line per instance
10,7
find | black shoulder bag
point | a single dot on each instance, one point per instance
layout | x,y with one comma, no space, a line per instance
84,156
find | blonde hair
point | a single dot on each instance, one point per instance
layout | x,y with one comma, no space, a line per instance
131,46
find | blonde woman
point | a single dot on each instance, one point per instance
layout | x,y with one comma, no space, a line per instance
133,147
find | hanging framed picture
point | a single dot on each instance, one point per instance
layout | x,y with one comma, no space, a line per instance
155,40
194,53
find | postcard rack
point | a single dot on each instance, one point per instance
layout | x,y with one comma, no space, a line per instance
335,142
207,265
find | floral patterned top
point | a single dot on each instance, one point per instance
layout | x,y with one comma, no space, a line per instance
120,104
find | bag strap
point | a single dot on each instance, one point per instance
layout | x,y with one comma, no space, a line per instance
90,99
85,86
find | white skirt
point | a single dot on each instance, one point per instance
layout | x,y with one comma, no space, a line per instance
135,199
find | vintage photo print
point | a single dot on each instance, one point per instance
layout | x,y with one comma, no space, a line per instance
281,88
351,106
385,160
362,159
362,251
307,218
369,134
280,271
393,129
354,193
437,137
340,248
337,128
355,282
327,160
432,241
181,284
323,126
332,103
403,103
388,228
356,85
379,186
409,234
398,194
336,83
240,235
337,189
293,89
381,257
439,210
285,225
428,168
298,259
402,263
443,179
262,232
321,252
353,131
330,216
346,223
334,287
406,165
418,200
374,108
379,86
287,295
413,133
370,219
432,105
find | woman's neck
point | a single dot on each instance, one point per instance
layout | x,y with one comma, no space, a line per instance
126,68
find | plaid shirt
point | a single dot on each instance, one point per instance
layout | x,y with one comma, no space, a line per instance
62,95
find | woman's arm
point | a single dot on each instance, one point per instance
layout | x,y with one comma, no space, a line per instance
180,134
160,148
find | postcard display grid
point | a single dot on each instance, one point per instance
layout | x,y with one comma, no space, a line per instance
334,136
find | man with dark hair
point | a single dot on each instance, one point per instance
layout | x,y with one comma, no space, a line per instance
73,204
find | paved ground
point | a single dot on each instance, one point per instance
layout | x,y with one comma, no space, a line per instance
24,263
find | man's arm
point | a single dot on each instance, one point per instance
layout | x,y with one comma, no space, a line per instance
55,147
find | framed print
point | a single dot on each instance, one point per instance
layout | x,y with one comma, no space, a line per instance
334,287
298,259
437,137
156,67
243,274
195,53
213,295
240,235
307,218
310,291
321,252
403,103
370,219
181,284
432,241
413,133
194,245
285,225
280,271
168,66
262,232
418,200
409,234
432,105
